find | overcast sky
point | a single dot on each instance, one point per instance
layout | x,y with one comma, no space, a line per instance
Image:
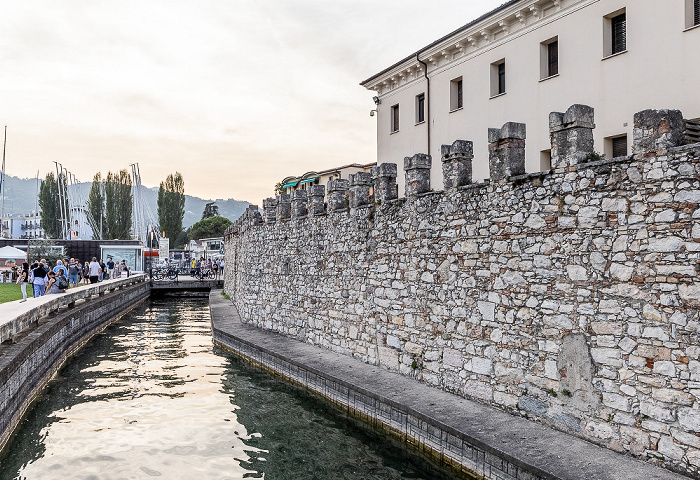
233,94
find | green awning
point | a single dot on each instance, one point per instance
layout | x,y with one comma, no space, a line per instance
290,184
309,180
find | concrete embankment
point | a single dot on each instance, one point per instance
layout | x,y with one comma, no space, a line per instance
481,441
42,333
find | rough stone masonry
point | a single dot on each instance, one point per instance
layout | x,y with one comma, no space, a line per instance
569,296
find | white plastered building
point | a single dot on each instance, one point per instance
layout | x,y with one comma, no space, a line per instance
528,58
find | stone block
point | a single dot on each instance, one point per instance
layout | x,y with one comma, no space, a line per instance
316,203
571,135
300,201
417,170
385,187
284,207
506,151
359,189
337,195
656,131
457,163
270,210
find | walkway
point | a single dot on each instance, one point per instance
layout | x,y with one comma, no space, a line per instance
491,442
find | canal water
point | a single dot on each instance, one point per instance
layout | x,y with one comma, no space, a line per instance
151,397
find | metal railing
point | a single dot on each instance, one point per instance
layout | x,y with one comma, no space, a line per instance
16,316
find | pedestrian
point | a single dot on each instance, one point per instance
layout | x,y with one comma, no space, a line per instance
60,269
94,270
110,268
125,272
52,286
39,279
86,273
103,269
73,271
22,280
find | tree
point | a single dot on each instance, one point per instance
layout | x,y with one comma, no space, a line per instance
171,206
119,204
210,210
46,249
96,207
209,227
50,204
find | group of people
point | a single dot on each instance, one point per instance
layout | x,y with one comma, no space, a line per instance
206,264
46,280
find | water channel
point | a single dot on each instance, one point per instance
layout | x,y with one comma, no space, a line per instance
151,397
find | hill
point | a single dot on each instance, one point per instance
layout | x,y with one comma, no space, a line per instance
20,197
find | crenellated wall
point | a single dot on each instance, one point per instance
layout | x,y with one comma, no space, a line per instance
568,296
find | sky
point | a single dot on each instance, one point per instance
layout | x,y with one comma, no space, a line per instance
235,95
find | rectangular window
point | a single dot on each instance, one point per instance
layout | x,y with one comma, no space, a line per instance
498,78
616,146
394,118
692,13
549,58
420,108
618,25
553,58
456,94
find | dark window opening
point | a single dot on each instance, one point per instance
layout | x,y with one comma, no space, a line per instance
696,12
420,108
502,78
619,147
459,93
395,118
618,26
553,58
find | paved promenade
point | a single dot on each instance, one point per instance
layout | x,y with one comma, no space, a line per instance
491,442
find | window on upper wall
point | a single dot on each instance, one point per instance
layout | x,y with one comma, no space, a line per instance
615,33
549,58
420,108
616,146
692,13
456,94
498,78
394,118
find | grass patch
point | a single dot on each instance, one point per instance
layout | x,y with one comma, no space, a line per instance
10,292
225,295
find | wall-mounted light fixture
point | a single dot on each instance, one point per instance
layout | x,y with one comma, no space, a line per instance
376,100
372,112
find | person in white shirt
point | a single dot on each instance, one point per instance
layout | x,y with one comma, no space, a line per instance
95,270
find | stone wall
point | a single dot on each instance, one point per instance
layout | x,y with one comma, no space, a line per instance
568,296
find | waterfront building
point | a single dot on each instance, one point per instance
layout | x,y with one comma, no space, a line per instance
528,58
24,226
302,182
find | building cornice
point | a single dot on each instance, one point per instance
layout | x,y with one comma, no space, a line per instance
494,28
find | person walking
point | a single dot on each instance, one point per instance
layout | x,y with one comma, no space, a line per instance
23,279
124,270
86,273
94,270
73,271
39,277
110,268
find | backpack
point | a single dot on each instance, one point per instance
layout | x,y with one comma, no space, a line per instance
62,282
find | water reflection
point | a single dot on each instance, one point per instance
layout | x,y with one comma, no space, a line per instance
150,397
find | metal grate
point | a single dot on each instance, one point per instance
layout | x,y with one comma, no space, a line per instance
553,58
619,33
696,12
619,147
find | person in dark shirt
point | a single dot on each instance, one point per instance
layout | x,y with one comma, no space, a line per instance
39,276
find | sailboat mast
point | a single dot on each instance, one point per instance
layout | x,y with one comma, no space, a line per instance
2,184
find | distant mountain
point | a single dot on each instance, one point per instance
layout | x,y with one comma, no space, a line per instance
20,197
